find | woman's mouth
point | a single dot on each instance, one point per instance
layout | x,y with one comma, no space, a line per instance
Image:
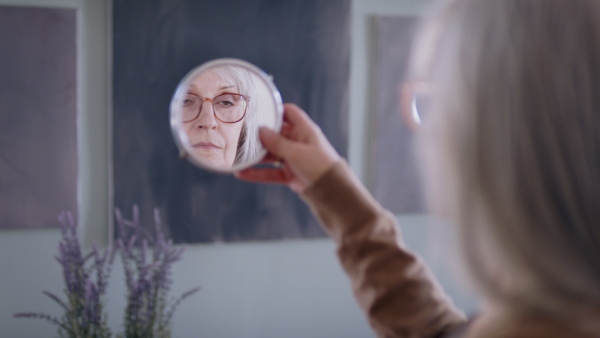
206,146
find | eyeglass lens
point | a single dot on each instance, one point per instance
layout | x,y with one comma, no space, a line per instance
228,107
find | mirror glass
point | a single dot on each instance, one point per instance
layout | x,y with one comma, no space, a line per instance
216,112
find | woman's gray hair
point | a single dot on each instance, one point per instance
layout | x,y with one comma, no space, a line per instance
511,145
249,144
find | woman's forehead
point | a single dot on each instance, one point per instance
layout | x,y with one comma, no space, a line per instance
209,81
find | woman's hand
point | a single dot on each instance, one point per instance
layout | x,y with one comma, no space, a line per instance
304,152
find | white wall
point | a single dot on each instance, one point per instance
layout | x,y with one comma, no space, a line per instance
273,289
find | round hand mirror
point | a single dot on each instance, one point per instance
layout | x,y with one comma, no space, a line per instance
216,112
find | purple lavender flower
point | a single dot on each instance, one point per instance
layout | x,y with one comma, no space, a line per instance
83,315
148,313
147,262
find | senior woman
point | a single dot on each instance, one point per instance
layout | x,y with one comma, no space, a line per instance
220,117
510,149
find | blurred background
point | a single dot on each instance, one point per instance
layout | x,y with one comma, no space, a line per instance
278,288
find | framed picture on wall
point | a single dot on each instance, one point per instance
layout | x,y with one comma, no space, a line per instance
303,44
38,108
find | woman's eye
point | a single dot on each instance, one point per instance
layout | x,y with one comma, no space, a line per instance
190,100
226,103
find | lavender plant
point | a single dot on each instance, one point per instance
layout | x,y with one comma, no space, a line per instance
147,263
86,279
148,277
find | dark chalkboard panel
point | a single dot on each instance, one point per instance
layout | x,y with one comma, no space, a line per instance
304,44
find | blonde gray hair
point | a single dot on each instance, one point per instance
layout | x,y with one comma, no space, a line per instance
249,145
511,145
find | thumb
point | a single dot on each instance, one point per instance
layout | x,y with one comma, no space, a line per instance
275,143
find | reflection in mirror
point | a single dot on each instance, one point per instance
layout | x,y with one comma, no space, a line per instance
217,110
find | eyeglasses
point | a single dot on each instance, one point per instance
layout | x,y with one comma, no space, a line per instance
419,106
227,107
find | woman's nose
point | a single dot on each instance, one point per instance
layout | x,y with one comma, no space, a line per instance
207,118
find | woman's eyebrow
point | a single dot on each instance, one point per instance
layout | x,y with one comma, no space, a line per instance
193,87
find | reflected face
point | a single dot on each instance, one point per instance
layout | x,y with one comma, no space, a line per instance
213,140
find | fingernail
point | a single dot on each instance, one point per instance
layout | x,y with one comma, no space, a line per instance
266,131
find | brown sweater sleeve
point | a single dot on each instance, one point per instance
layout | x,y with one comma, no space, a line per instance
394,287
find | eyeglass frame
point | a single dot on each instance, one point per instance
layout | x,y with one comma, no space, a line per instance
212,101
409,94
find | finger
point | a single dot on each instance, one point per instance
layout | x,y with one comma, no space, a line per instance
304,129
286,130
296,116
269,165
263,175
275,143
270,158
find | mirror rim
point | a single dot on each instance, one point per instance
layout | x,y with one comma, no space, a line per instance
181,137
